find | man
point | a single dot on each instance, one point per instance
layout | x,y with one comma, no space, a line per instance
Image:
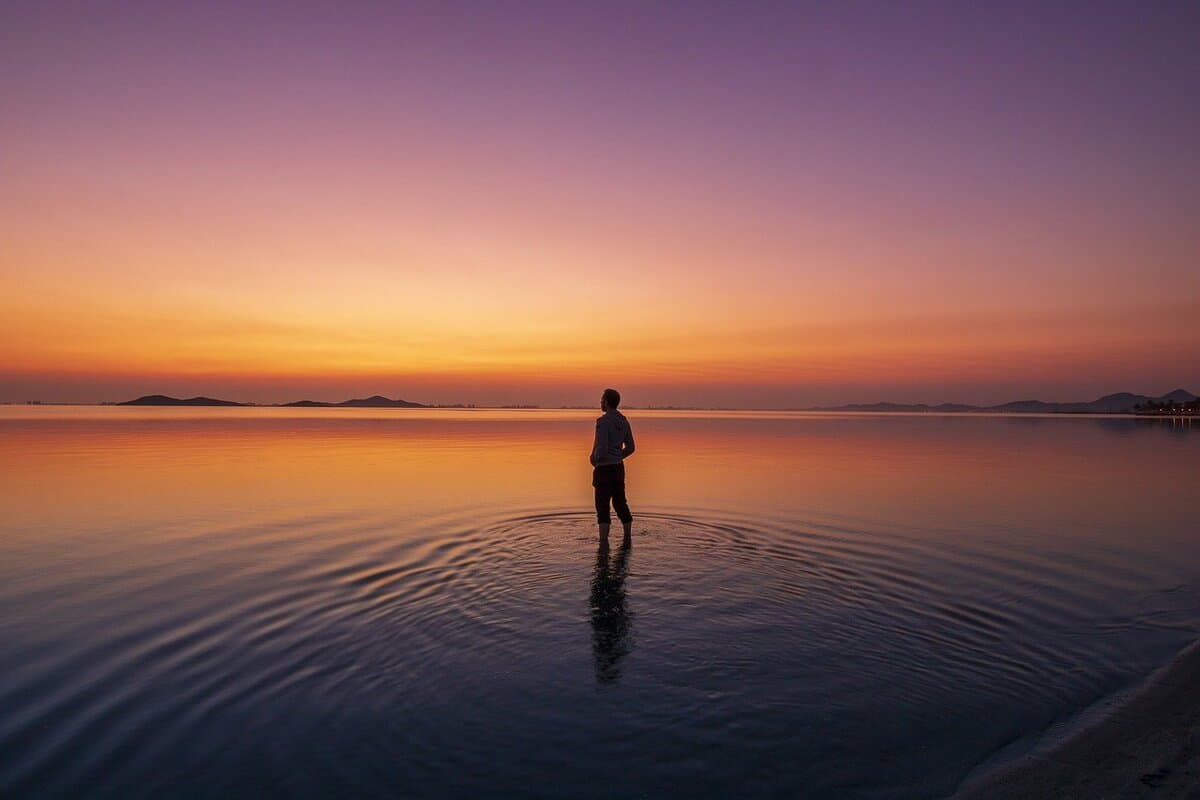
614,444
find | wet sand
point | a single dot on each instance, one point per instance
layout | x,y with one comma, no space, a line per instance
1148,747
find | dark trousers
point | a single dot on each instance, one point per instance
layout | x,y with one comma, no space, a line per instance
609,481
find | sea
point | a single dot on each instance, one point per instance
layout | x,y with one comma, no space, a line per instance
272,602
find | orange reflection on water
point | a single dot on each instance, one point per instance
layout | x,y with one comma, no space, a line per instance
73,470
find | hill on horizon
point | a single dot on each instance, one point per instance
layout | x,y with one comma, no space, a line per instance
165,400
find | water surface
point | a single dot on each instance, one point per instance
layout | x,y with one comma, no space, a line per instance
412,603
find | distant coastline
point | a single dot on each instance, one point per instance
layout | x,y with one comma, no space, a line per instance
1179,402
1173,403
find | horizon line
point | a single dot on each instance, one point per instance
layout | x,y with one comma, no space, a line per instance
847,407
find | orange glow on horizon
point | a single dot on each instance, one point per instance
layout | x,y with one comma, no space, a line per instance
506,229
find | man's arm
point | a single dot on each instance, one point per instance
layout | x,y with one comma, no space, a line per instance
600,445
627,444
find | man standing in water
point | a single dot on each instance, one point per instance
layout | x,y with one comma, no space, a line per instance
614,444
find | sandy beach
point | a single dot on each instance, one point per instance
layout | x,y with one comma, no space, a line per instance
1148,747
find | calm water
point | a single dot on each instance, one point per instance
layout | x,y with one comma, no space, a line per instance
411,603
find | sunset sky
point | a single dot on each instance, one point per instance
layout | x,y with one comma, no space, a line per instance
743,204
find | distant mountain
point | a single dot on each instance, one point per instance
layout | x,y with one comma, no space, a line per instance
379,401
1109,404
375,401
1120,403
164,400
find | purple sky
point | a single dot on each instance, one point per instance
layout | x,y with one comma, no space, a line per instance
429,192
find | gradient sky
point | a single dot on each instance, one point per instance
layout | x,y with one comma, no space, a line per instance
746,204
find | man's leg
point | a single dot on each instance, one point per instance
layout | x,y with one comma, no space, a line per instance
622,508
603,518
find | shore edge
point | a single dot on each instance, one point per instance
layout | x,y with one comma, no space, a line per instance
1149,746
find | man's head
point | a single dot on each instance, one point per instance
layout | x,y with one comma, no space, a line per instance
610,400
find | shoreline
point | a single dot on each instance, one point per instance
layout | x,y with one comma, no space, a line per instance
1149,746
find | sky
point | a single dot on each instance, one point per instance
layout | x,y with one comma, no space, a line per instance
752,205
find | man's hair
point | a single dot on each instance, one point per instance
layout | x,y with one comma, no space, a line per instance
612,397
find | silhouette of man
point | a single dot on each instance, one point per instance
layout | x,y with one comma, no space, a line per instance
614,444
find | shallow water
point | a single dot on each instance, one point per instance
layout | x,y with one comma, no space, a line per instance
411,603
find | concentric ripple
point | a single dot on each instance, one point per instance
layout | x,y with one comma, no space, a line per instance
452,656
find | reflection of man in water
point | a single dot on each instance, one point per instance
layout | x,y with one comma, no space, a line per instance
610,618
614,444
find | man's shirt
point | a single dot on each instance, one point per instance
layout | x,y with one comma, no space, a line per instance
614,439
